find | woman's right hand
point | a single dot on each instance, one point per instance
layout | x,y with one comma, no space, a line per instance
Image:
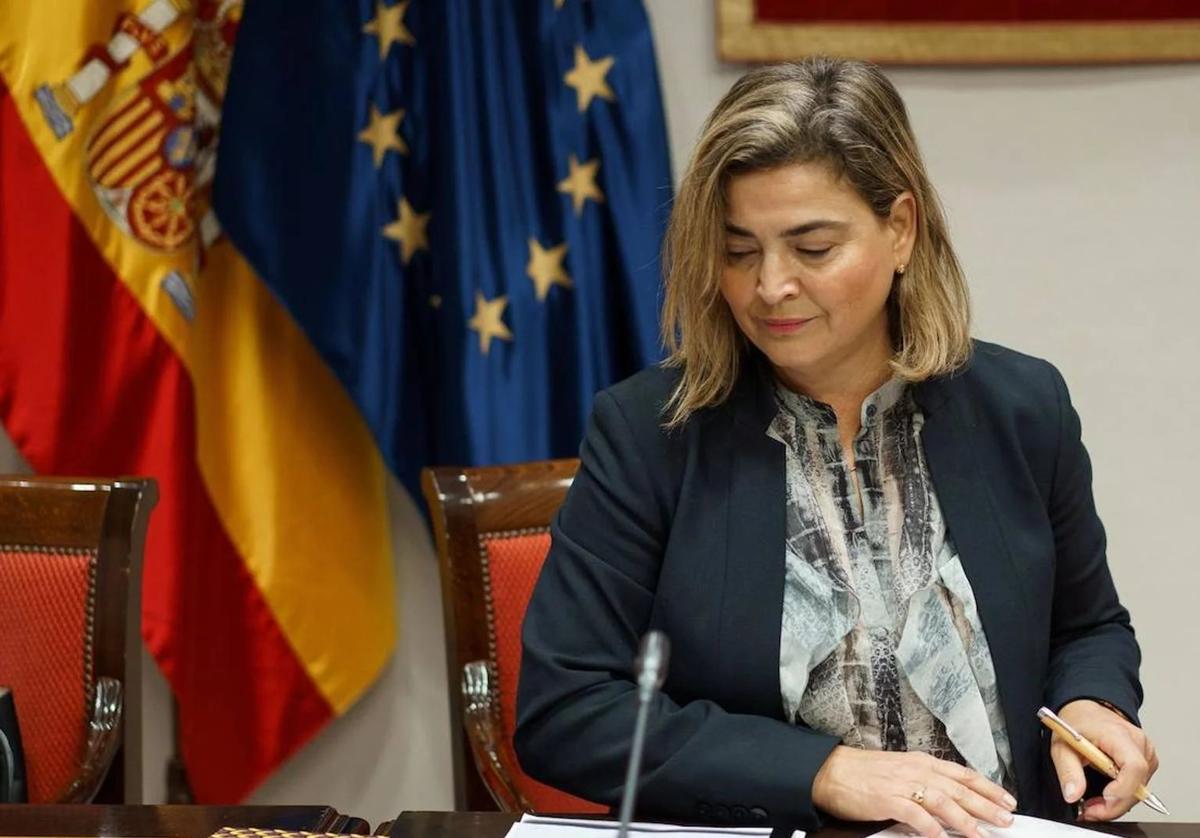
929,794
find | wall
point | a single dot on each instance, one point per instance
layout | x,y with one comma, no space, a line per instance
1074,197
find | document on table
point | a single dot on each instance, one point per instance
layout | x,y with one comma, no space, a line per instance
535,826
1023,827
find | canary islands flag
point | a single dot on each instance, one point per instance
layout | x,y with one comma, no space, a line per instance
461,204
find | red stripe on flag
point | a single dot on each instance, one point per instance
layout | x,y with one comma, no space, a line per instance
145,152
89,387
106,137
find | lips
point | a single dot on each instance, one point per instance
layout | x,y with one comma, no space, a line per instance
785,325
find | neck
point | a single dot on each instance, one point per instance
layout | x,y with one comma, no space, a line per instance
845,385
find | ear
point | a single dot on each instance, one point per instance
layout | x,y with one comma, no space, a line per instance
902,222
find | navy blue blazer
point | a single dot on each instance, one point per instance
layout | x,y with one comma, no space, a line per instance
683,531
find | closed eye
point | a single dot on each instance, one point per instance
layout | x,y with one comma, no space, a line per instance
813,251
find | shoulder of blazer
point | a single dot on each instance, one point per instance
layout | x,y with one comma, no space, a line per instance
1010,403
1002,383
635,408
643,395
642,398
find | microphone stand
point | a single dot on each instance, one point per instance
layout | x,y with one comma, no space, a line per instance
651,668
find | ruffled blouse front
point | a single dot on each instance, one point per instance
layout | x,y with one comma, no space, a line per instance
882,645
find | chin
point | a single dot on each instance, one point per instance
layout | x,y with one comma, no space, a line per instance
789,358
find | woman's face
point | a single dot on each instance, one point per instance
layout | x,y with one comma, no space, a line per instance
808,269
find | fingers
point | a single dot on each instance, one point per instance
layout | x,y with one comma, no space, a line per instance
1102,809
976,805
978,784
946,809
912,813
1127,751
1069,767
1151,756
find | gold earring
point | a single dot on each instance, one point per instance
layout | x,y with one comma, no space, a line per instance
900,269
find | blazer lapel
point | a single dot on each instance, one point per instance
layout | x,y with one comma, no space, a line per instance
752,615
949,438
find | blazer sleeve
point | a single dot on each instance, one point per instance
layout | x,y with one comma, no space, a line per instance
1093,653
576,699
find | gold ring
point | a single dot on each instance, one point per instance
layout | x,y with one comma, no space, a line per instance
919,795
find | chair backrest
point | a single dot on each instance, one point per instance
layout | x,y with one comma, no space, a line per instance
492,526
70,560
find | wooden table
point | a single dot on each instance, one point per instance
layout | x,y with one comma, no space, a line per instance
496,824
169,821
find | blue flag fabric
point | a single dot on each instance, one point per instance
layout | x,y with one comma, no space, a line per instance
461,202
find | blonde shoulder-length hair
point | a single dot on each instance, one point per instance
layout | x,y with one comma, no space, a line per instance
844,114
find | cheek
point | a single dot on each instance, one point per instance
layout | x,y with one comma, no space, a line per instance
738,290
856,289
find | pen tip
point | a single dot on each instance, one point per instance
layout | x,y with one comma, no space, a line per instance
1157,805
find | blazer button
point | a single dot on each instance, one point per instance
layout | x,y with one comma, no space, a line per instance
703,810
740,814
721,813
759,814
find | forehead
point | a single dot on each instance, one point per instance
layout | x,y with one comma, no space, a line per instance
786,191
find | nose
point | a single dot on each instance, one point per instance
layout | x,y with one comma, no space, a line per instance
777,280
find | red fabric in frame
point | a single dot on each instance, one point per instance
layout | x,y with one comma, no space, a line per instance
514,563
972,11
89,387
43,621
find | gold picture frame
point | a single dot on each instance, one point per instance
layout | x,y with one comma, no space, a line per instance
742,37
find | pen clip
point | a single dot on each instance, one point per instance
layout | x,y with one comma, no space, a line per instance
1047,713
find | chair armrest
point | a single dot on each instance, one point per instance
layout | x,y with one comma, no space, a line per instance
479,719
104,735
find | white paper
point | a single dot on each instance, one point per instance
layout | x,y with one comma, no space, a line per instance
536,826
1023,827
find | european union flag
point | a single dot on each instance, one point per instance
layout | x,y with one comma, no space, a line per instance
461,202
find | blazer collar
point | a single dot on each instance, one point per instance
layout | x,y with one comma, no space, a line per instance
753,401
932,393
952,440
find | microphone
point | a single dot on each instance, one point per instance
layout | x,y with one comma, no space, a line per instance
651,670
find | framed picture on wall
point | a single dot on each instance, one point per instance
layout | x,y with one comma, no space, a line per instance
961,31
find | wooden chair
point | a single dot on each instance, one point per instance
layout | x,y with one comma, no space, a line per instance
70,564
492,526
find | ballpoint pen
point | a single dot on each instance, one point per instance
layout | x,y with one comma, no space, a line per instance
1099,760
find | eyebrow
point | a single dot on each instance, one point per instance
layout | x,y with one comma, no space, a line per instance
798,230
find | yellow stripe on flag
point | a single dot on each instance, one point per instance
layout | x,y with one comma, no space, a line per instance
299,480
288,461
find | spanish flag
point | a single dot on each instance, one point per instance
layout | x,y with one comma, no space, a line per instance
135,339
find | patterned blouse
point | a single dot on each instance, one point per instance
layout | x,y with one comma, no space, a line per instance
882,644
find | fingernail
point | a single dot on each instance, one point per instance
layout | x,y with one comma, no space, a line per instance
1069,790
1109,799
1010,801
1006,818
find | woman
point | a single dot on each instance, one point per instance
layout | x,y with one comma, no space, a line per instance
871,541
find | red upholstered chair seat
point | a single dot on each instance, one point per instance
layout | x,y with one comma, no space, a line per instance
513,562
46,630
70,562
492,525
